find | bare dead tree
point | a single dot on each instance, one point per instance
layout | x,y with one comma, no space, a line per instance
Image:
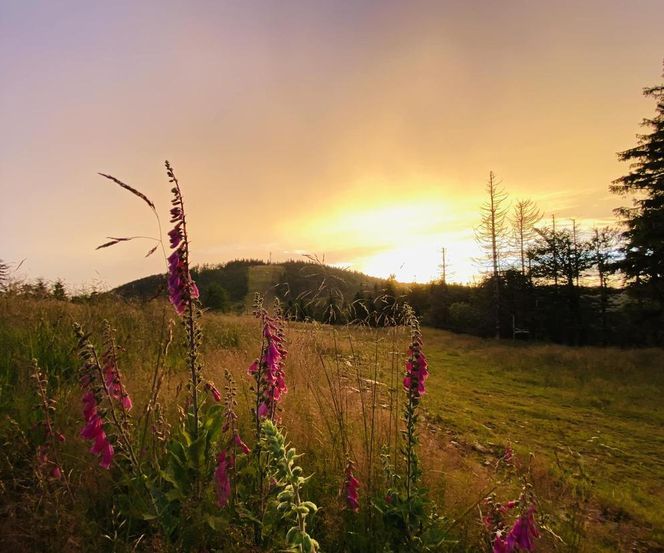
492,235
443,267
525,215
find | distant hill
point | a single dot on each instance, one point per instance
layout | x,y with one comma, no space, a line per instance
236,282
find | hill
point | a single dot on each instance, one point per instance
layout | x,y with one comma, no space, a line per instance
299,284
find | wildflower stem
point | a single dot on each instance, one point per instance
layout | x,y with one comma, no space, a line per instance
192,364
191,309
46,406
161,354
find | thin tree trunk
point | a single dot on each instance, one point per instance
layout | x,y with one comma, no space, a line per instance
494,254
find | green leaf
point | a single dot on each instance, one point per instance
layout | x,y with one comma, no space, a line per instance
174,495
307,546
311,505
294,536
197,452
215,522
285,494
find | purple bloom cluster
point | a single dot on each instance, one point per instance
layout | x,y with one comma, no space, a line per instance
417,368
222,478
351,488
181,287
521,535
269,369
216,394
226,465
114,384
94,430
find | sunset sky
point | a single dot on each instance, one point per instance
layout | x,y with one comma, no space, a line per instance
362,132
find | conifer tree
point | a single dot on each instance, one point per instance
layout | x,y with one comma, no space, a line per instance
643,262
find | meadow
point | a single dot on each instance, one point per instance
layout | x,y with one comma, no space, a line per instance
584,425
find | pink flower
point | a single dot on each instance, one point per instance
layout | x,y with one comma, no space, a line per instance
216,394
500,545
525,531
417,371
508,506
175,235
113,383
269,369
351,486
94,430
222,478
244,448
181,287
176,282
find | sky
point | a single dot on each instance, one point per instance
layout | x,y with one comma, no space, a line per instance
359,132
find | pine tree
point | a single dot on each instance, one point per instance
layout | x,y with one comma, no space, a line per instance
643,252
58,290
603,246
558,257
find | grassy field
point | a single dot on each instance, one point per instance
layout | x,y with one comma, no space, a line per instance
588,422
592,417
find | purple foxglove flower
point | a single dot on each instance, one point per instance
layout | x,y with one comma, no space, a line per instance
416,371
500,545
525,531
106,456
181,288
222,479
351,486
269,369
94,430
244,448
175,235
114,384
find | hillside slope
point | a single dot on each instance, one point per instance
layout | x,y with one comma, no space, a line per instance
291,281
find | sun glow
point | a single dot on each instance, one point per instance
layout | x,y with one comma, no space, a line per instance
422,262
403,238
